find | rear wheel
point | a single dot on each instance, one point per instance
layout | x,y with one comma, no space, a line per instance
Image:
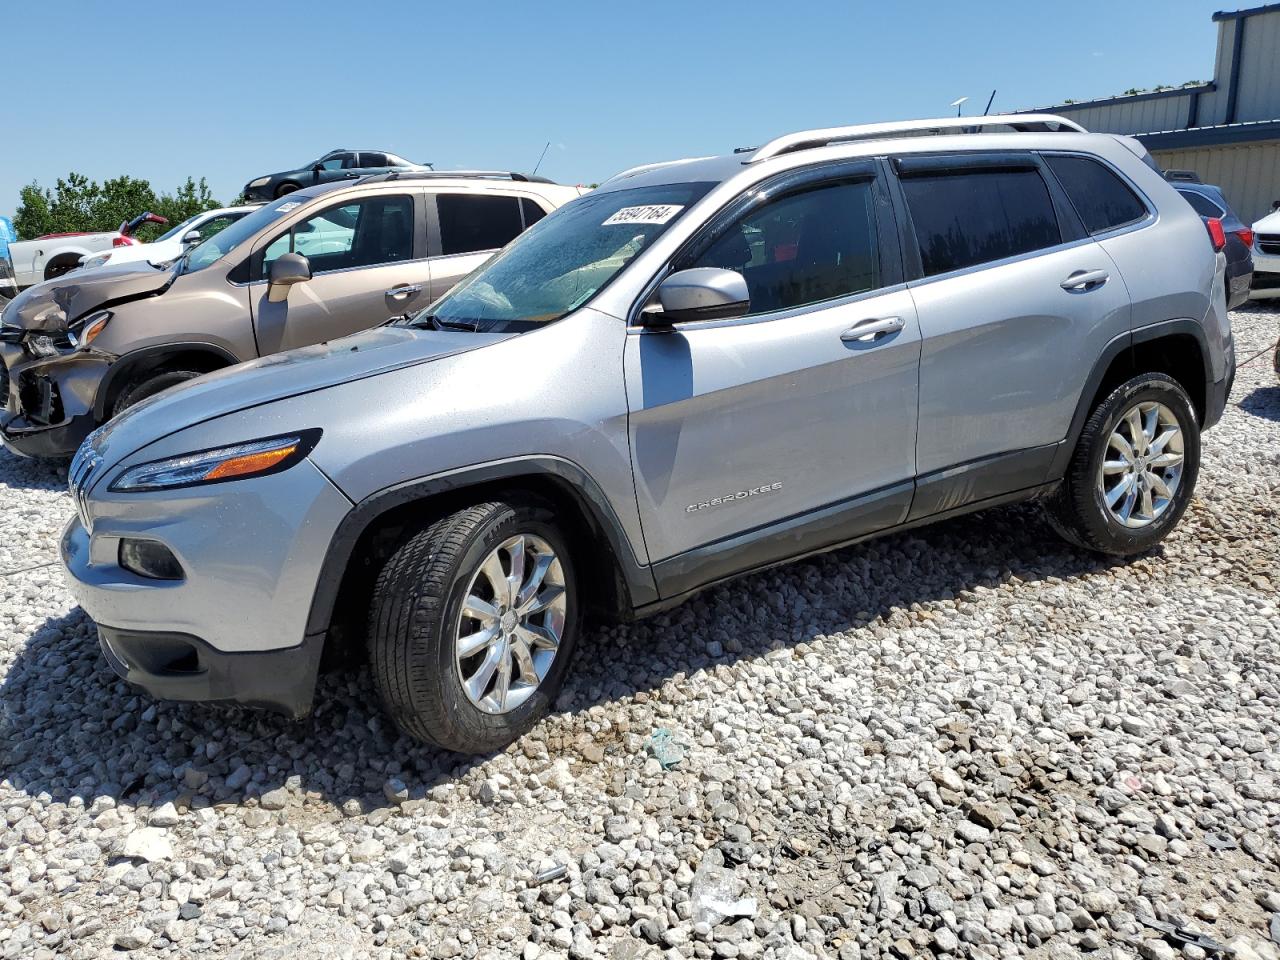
149,385
1133,471
472,626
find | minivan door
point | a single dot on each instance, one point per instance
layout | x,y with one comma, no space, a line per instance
1016,303
368,264
764,437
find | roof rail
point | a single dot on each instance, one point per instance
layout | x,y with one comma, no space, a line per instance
808,139
455,175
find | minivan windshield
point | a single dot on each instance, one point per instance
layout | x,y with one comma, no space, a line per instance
223,242
562,261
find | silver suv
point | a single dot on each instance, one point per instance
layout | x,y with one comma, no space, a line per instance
700,369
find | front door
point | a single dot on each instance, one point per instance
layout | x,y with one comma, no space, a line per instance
789,428
367,265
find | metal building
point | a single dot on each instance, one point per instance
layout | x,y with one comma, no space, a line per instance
1226,130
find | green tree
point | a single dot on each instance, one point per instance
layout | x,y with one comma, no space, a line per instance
77,203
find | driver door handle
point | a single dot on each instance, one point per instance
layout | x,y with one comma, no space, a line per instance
1085,279
872,329
404,291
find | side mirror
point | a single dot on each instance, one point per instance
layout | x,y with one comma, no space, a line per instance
191,238
703,293
286,270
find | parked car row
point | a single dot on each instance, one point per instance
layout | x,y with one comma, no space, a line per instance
697,370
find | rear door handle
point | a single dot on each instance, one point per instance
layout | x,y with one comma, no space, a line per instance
872,329
404,291
1085,279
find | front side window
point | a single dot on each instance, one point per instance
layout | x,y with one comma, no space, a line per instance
362,233
803,248
336,162
472,222
976,216
564,260
1101,198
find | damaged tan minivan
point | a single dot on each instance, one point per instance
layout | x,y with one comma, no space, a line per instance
311,266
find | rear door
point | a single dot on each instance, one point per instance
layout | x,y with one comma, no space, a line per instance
1016,303
466,229
784,427
368,263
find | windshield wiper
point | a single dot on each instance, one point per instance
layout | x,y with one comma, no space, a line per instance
443,323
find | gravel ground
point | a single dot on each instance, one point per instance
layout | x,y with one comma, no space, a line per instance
968,740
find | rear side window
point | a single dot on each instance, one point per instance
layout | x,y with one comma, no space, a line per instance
531,212
1101,198
966,218
803,248
1202,204
373,159
471,222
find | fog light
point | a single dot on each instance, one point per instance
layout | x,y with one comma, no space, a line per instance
150,559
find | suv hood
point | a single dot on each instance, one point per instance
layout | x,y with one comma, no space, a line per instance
279,377
50,306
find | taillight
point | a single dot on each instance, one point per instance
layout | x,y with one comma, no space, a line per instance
1246,236
1216,233
123,242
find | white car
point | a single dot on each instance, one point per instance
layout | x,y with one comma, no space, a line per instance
173,244
1266,258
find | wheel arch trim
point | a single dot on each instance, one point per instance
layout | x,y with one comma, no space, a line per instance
127,363
636,579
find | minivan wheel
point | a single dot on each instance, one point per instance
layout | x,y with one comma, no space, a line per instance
473,622
1133,471
148,385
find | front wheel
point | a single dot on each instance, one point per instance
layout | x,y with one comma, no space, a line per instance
1133,471
148,385
285,189
472,625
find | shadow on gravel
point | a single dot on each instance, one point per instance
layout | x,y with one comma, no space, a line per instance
21,472
69,728
1263,402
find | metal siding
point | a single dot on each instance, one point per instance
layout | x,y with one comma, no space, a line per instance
1249,174
1259,95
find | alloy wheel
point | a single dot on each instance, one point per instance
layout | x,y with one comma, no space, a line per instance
512,620
1142,465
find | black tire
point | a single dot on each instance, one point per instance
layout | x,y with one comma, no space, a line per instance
149,385
60,265
413,626
1077,509
285,188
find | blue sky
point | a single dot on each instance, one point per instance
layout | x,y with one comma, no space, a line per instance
231,90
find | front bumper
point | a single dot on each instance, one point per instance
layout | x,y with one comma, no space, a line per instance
49,408
234,627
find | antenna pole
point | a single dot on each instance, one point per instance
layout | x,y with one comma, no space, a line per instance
989,102
544,153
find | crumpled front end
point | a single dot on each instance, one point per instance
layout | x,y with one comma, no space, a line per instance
49,399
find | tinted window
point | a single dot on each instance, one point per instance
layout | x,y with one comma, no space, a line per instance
963,219
531,212
803,248
373,159
1202,204
472,222
363,233
1101,198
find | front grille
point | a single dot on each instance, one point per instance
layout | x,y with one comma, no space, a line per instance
84,470
1269,243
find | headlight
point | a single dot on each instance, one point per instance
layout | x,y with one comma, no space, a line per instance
255,458
41,345
83,332
97,261
260,182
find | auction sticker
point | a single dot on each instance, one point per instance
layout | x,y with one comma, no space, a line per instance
286,207
653,213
